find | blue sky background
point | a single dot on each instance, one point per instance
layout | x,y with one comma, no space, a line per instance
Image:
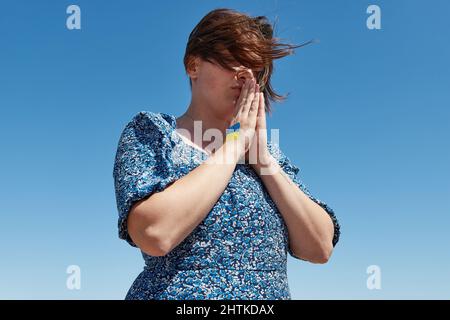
367,122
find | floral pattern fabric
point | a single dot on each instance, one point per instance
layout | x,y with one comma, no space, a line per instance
239,251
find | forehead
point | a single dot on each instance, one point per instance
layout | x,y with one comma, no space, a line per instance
229,60
233,63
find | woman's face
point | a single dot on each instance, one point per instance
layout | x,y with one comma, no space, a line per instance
217,88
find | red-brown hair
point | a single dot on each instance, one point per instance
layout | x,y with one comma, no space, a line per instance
249,41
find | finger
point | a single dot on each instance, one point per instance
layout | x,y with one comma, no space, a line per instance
256,101
262,111
250,96
242,97
253,110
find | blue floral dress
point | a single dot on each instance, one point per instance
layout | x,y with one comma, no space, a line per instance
239,251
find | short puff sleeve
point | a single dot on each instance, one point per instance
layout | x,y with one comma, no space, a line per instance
143,164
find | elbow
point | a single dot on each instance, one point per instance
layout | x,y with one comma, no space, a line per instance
150,239
323,255
147,232
156,245
319,255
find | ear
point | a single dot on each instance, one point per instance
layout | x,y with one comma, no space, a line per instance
193,67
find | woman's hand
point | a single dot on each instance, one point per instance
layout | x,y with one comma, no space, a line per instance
246,113
258,155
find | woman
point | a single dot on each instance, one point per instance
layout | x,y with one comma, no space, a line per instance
215,220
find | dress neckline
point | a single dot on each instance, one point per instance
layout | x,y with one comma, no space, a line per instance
173,124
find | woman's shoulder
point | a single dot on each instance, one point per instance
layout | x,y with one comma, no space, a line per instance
283,160
275,151
148,129
147,133
150,121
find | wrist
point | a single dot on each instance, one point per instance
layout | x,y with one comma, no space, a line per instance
266,165
232,151
234,142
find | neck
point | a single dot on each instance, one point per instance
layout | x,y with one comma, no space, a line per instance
208,120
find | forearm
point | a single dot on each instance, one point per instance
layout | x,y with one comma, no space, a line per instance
182,206
309,226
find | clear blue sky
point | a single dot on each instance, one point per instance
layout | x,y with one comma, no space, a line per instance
367,122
